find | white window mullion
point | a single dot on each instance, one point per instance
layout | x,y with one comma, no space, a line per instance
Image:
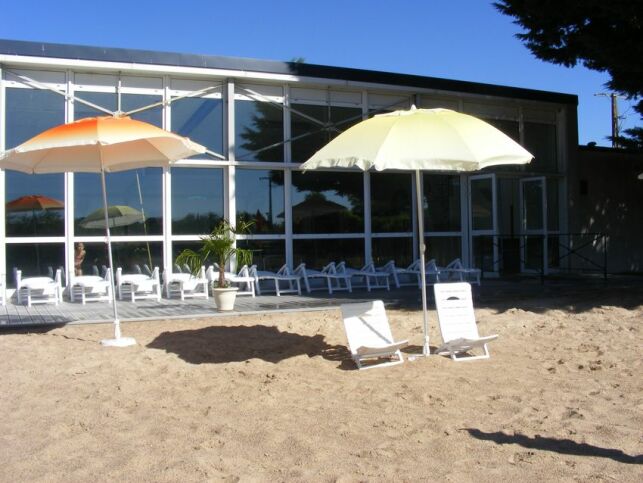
368,252
3,234
168,255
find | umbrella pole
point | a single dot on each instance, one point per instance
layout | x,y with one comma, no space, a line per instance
118,340
420,217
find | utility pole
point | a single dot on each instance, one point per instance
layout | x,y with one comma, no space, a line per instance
615,131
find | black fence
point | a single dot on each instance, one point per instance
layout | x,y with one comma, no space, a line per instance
523,254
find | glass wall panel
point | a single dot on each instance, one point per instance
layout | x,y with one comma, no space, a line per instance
481,204
327,202
179,246
540,140
482,248
106,100
109,100
510,128
34,203
258,126
260,199
266,254
443,249
201,120
397,249
553,220
441,202
197,200
309,136
130,256
391,202
317,253
134,198
34,259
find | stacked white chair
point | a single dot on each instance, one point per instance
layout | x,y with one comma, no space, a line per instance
38,290
91,288
138,286
185,285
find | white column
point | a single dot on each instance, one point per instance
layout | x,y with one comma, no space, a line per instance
3,232
229,185
288,181
168,255
69,215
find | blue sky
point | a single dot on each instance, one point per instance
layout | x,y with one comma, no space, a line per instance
455,39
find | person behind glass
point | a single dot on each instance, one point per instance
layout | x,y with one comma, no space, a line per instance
79,257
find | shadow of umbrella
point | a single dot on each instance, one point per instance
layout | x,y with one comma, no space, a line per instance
222,344
34,203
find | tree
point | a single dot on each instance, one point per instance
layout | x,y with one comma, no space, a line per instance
602,35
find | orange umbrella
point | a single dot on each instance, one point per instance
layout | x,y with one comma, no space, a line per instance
100,145
34,203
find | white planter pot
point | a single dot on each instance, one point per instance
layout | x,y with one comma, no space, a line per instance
224,297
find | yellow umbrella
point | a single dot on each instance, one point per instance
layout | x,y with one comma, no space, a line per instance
100,145
419,140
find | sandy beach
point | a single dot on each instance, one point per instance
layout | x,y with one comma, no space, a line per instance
275,397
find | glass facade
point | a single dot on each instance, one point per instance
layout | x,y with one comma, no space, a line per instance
311,217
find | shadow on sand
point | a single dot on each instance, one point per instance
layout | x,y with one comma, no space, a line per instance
563,446
222,344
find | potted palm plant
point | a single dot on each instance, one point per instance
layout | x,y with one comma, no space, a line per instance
219,247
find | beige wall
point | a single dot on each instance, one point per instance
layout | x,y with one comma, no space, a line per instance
605,195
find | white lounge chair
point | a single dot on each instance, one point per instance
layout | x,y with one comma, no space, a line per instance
138,286
369,335
282,275
243,279
91,288
372,278
334,281
38,290
185,285
458,322
456,271
408,276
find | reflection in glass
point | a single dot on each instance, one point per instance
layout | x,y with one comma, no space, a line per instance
309,136
533,204
108,100
483,253
482,204
260,199
138,190
391,202
398,249
34,259
266,254
197,200
327,202
258,125
28,112
443,249
442,202
201,120
540,140
128,256
317,253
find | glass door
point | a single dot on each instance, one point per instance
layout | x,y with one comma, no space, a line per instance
533,209
483,222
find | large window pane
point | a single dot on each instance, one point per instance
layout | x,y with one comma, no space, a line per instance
266,254
391,198
398,249
29,112
317,253
106,100
197,200
129,256
34,259
443,249
442,203
327,202
309,136
482,204
109,101
553,220
201,120
258,125
260,199
540,140
134,198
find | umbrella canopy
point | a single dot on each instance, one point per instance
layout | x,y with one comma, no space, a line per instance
100,145
33,203
435,139
118,215
420,139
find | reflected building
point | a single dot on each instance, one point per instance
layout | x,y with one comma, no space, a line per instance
259,126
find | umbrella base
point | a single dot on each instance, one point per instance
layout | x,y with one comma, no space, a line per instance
118,342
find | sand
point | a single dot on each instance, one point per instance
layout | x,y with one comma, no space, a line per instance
275,397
